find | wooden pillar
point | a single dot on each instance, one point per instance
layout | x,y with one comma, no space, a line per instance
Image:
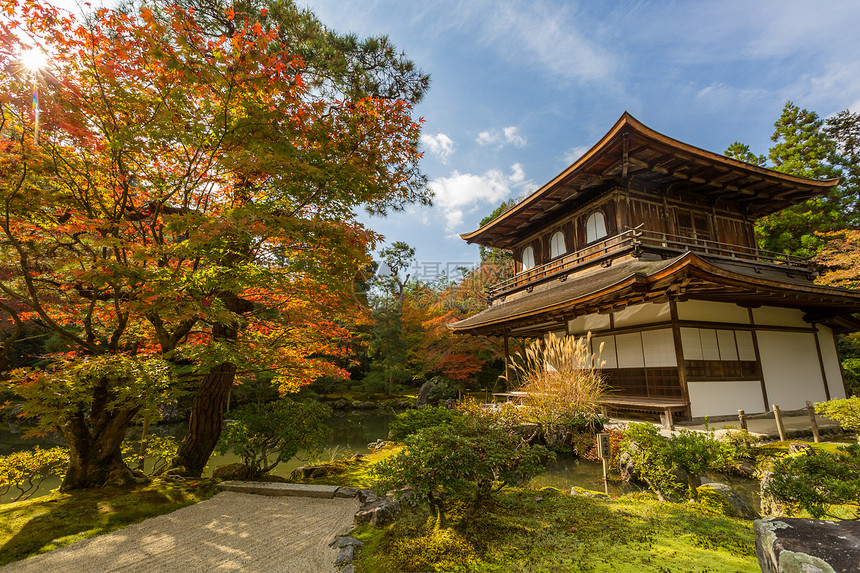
679,356
758,360
839,361
821,362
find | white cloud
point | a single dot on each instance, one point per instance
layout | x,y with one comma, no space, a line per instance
559,39
439,145
500,137
574,153
463,193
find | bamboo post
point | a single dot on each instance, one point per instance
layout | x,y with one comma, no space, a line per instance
742,418
813,422
777,415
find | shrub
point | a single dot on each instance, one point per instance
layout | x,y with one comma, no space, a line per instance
26,470
564,385
846,412
410,421
814,483
161,448
662,462
469,458
264,435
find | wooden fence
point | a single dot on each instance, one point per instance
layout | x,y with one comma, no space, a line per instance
777,415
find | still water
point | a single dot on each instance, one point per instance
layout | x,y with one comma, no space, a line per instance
350,434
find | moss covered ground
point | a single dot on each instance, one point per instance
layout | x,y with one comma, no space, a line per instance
548,530
45,523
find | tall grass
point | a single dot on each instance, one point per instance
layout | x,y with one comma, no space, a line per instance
562,379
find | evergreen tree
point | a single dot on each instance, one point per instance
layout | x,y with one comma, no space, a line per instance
804,147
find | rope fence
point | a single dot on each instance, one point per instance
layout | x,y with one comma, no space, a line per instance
777,415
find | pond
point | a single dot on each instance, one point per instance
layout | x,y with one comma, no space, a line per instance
351,433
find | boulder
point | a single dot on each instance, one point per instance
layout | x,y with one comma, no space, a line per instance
378,513
341,404
800,448
785,545
366,405
724,499
237,471
345,555
769,504
308,472
344,540
424,394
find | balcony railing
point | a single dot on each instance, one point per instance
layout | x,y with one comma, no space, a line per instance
651,241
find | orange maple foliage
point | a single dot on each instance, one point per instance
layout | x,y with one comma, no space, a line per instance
191,198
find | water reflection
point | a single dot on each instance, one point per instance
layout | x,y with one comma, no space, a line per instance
350,434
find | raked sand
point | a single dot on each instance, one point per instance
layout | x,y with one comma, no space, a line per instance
229,532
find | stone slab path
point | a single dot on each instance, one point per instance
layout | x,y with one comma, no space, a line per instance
229,532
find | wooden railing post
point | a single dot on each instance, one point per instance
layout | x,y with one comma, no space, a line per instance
813,422
777,415
742,418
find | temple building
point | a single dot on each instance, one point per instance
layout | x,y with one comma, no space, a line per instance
648,244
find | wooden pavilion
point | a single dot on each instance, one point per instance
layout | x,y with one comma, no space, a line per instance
648,243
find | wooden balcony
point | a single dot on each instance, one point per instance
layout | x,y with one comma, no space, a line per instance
638,241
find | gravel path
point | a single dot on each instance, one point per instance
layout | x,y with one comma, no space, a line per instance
229,532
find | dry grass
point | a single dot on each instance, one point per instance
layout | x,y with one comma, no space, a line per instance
562,379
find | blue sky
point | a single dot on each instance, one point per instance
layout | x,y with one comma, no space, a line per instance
521,88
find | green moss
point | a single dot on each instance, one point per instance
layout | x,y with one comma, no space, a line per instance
713,501
44,523
353,472
548,530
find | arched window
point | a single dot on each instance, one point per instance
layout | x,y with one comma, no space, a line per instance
556,245
528,258
595,227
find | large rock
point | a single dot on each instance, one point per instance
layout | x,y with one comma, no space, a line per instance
725,500
800,448
788,545
769,504
233,471
378,513
424,394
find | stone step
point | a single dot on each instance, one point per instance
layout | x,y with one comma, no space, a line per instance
281,489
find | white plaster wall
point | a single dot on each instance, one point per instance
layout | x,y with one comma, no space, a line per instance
789,363
643,314
707,311
588,323
775,316
831,362
725,398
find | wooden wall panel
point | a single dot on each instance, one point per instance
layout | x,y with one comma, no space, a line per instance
647,214
732,232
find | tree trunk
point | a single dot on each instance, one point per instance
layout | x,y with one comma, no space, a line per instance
95,458
207,409
207,418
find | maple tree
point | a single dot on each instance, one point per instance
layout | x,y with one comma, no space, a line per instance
189,207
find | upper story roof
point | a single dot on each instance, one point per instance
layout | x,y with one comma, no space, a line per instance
632,149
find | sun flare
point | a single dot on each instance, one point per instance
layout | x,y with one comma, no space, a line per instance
34,59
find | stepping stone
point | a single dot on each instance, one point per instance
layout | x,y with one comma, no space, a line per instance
279,489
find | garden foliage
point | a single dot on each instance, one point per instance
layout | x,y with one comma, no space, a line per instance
21,473
846,412
264,435
469,458
814,483
674,466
